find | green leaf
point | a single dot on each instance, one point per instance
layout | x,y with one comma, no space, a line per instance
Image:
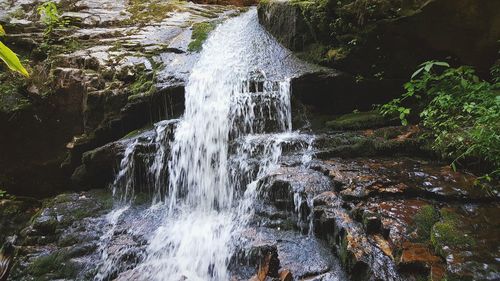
453,166
11,59
428,67
417,72
442,63
2,31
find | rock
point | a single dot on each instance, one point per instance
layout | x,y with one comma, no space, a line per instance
381,177
100,165
62,235
386,141
117,69
285,275
358,121
291,248
228,2
334,92
465,237
416,255
15,213
389,39
285,22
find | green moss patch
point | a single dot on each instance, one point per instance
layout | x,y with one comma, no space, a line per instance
200,34
424,220
11,97
357,121
57,264
447,232
144,11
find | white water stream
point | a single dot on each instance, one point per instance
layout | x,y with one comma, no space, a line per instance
237,118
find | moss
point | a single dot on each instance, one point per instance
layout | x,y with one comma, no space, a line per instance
316,53
447,232
19,13
200,34
12,98
71,45
144,11
58,264
144,84
133,133
357,120
424,219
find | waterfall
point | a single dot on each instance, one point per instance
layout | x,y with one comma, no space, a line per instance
237,119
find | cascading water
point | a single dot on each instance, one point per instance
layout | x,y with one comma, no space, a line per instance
236,121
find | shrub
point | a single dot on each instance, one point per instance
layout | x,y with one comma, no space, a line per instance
461,111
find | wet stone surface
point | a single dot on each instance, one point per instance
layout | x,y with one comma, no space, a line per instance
389,218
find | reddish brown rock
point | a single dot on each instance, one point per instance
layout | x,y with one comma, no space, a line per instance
285,275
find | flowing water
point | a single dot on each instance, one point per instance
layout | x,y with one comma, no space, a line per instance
204,173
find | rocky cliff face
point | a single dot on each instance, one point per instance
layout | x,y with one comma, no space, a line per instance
113,67
386,40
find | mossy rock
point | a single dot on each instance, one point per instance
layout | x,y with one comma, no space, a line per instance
11,97
200,34
358,121
448,233
146,11
53,266
424,220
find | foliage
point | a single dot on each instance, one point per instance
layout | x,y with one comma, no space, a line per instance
461,111
200,34
10,58
51,17
3,194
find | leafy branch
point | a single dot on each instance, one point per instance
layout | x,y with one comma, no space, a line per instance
10,58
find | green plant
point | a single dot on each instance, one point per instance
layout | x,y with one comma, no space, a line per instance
3,194
10,58
413,89
50,16
460,111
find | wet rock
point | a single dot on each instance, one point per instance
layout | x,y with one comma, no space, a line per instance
117,69
466,237
302,257
99,165
285,275
416,256
358,121
61,241
15,213
386,141
267,261
290,191
335,92
286,23
228,2
407,178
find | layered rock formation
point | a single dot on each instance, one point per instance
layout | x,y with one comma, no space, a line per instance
113,67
